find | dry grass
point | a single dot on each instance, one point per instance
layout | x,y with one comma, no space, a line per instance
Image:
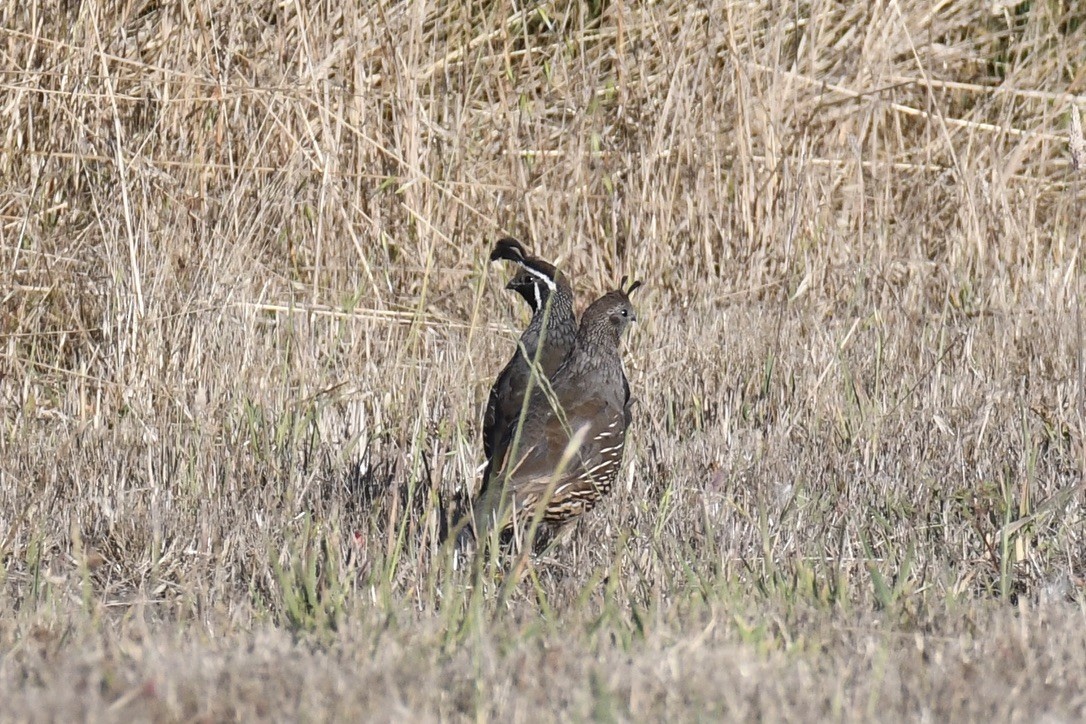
247,328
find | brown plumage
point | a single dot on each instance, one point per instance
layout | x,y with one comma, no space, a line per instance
569,451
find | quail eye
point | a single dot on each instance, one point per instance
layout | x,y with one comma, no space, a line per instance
625,312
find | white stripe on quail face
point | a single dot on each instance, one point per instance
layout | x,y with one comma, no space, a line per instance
541,276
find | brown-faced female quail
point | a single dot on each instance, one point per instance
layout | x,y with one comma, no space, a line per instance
568,453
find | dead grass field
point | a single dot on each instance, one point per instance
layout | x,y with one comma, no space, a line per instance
248,325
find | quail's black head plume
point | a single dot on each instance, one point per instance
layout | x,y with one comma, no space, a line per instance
509,249
568,453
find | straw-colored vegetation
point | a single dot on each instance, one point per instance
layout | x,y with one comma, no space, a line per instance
247,327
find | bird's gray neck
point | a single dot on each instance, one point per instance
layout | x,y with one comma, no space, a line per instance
597,348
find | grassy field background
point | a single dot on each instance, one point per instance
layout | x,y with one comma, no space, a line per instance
247,328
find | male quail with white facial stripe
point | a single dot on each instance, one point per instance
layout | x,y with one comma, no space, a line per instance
544,345
546,340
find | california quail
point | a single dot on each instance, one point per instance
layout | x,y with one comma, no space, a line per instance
569,450
546,341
